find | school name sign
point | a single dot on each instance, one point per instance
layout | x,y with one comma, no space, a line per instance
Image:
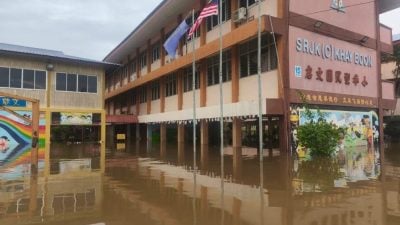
332,52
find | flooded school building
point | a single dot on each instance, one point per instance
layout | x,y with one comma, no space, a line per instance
321,53
116,136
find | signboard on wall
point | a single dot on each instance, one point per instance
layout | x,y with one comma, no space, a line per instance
323,64
69,118
11,102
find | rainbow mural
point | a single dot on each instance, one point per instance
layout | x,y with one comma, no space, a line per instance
15,139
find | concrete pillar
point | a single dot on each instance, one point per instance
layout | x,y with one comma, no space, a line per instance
204,132
237,148
163,132
111,136
181,143
163,150
137,133
181,133
204,157
163,140
237,132
128,136
149,137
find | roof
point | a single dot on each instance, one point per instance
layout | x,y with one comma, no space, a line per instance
45,53
387,5
163,16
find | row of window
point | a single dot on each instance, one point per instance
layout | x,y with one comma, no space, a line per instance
247,67
76,83
22,78
156,48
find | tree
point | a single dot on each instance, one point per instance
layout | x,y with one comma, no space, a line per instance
395,57
318,135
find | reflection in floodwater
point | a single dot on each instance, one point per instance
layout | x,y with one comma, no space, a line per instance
164,184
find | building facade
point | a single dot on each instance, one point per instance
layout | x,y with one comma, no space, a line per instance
388,74
324,53
70,92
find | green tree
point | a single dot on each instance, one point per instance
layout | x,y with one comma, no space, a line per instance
395,57
318,135
392,128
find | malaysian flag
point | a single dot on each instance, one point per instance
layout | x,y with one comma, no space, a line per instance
209,10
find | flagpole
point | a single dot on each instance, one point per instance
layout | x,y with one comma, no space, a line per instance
221,98
194,99
260,119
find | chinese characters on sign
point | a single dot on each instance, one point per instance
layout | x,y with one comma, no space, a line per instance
337,77
5,101
326,98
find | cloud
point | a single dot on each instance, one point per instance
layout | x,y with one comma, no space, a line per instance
391,19
90,28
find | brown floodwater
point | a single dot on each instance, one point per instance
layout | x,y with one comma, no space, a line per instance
147,186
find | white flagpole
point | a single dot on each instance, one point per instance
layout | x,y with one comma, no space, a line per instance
260,119
194,99
221,103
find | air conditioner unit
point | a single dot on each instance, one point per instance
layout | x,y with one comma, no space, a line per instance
240,15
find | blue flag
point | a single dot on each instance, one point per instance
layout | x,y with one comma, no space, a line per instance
171,44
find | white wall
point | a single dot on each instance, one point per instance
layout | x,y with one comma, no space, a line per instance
188,99
213,93
143,109
171,103
248,86
155,106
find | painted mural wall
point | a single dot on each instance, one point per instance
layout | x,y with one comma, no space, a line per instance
15,140
361,127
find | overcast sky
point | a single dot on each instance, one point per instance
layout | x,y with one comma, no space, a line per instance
84,28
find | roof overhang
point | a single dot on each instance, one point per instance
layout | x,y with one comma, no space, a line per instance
387,5
162,16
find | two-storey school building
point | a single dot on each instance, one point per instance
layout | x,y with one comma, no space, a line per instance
324,52
70,91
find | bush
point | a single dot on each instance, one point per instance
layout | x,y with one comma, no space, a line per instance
317,135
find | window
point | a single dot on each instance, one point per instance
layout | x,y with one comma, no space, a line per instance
22,78
246,3
170,85
71,82
15,78
4,77
188,79
92,84
61,82
248,56
40,79
156,52
76,83
82,83
155,90
29,79
213,68
143,60
212,21
142,95
133,67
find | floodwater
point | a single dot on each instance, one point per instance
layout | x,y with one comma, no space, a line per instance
149,186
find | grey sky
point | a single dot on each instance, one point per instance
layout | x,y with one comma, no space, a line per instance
84,28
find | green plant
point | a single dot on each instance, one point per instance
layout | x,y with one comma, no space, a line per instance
317,135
